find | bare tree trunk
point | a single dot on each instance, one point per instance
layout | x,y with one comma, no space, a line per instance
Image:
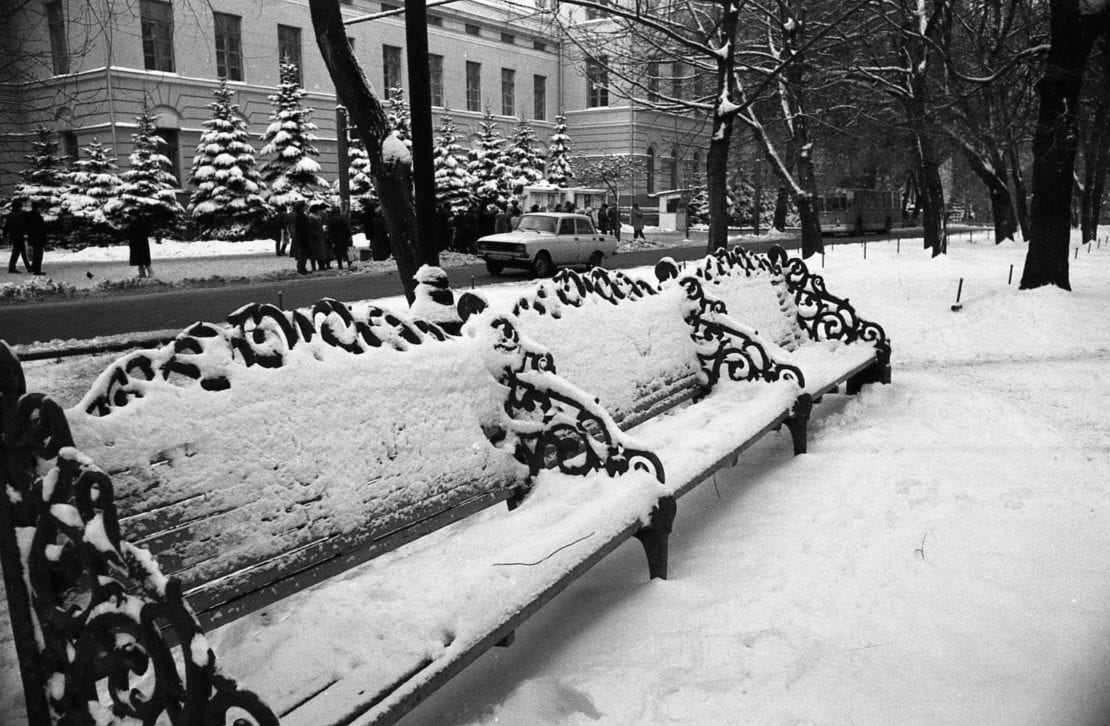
782,205
1055,142
1020,196
393,182
1097,155
716,181
992,172
932,196
812,242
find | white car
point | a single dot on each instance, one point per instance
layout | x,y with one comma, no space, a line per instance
546,240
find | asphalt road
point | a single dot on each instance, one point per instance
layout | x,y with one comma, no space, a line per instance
86,318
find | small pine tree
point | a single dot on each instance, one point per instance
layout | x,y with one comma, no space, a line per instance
292,175
487,165
358,174
454,184
559,171
93,183
526,165
44,179
400,119
228,201
149,186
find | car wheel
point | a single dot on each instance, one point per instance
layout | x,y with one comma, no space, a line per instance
596,259
495,268
858,231
542,266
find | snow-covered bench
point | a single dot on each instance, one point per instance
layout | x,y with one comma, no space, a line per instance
217,480
316,488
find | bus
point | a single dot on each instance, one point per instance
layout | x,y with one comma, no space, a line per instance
856,211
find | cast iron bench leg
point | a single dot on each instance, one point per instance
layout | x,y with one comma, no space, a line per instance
654,536
798,422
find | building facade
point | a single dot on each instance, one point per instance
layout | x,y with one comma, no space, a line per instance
87,69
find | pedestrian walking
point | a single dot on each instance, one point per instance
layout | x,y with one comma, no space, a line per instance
138,245
636,217
603,219
615,221
15,231
321,248
301,245
339,235
501,223
36,236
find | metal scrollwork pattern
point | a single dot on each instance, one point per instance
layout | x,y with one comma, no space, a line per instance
556,425
725,346
259,335
569,287
825,316
91,612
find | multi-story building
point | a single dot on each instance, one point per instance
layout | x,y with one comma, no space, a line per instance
87,69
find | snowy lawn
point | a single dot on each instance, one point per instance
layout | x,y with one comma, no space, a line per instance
942,554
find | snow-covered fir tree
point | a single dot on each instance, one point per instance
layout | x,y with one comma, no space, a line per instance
92,183
292,174
526,165
400,119
559,172
228,201
44,178
454,184
487,165
358,175
149,186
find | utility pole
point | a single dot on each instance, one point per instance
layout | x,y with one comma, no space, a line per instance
420,107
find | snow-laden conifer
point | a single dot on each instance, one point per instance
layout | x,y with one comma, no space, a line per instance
454,184
559,171
228,200
92,183
44,178
358,175
292,174
400,118
487,164
149,186
526,165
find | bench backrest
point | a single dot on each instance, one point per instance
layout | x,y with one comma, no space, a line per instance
638,357
366,449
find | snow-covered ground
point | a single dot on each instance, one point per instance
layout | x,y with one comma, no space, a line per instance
940,556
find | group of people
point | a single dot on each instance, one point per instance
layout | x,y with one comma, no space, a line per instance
608,220
23,230
315,236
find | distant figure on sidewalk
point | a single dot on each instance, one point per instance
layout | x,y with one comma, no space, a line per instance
602,221
36,236
138,244
636,217
339,235
15,231
301,246
615,221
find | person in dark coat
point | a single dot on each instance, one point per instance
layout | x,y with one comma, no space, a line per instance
138,243
501,222
443,227
339,235
321,248
15,230
603,219
636,217
301,246
615,221
380,246
36,237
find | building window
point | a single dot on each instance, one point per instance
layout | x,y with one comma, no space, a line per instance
289,48
677,80
653,81
156,18
434,21
435,78
539,45
229,46
674,168
508,92
508,38
69,146
391,67
473,86
472,29
539,98
597,80
650,170
172,150
59,45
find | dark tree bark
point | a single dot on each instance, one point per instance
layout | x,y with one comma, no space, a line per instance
991,170
393,182
1020,196
935,227
1097,155
716,173
1055,143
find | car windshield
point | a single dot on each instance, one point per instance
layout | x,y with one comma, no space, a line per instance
537,223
